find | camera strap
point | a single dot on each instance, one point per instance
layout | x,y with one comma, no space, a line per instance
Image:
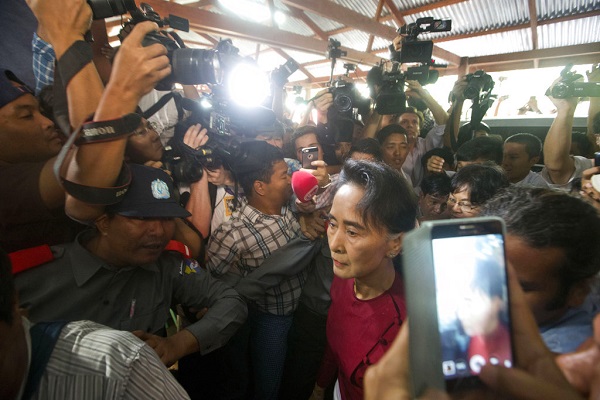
70,63
98,131
177,98
105,131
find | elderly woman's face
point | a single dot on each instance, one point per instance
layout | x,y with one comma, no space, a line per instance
460,206
357,250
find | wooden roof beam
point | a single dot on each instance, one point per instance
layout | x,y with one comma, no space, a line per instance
310,23
377,16
395,13
533,23
566,51
346,16
208,22
423,8
300,67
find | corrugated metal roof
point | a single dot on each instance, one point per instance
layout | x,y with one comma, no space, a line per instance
353,39
295,25
367,8
409,4
324,23
476,15
302,57
568,33
496,43
547,9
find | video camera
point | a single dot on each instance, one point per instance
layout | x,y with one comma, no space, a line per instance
569,87
228,125
391,98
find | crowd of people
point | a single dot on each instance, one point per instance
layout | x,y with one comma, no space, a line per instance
118,260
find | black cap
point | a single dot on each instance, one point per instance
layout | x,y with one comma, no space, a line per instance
150,195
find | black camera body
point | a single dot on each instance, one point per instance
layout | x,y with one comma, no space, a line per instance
280,75
391,98
479,85
569,87
334,51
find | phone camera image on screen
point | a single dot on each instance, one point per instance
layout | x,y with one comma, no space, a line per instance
472,303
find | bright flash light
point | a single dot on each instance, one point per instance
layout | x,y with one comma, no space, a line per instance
248,85
205,103
279,17
256,11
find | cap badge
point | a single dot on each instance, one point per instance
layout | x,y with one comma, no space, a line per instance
160,190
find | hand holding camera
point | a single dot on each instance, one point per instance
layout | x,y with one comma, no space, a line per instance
151,63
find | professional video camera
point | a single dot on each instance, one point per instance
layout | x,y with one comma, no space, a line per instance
228,125
569,87
419,51
391,98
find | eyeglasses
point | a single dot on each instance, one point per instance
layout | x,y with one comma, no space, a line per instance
145,128
433,201
464,207
379,348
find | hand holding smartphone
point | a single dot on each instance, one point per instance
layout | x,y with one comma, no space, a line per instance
309,154
457,301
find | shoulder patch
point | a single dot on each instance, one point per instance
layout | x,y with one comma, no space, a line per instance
25,259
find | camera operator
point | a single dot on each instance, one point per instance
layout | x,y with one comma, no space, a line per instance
560,168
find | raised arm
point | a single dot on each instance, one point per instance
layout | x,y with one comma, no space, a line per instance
63,23
135,72
557,145
415,90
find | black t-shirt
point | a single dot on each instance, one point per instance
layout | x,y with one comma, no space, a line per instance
25,221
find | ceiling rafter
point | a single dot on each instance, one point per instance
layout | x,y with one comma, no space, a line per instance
300,67
424,8
359,21
346,16
565,51
516,27
310,23
395,13
208,22
533,22
377,16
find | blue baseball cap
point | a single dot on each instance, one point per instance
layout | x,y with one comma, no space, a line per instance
8,91
150,195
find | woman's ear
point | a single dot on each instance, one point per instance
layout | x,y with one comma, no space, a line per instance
395,244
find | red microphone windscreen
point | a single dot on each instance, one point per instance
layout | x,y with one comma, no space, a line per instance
305,185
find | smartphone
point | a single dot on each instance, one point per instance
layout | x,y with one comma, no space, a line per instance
309,154
457,300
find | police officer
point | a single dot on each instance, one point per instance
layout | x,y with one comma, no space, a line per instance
120,275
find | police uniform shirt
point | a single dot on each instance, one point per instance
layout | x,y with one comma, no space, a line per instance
78,285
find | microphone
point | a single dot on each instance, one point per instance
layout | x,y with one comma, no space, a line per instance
304,185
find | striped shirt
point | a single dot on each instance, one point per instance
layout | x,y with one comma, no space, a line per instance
240,245
91,361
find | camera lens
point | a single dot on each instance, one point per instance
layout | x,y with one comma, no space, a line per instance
342,103
560,91
196,66
109,8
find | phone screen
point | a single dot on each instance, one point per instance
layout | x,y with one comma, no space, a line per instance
472,303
